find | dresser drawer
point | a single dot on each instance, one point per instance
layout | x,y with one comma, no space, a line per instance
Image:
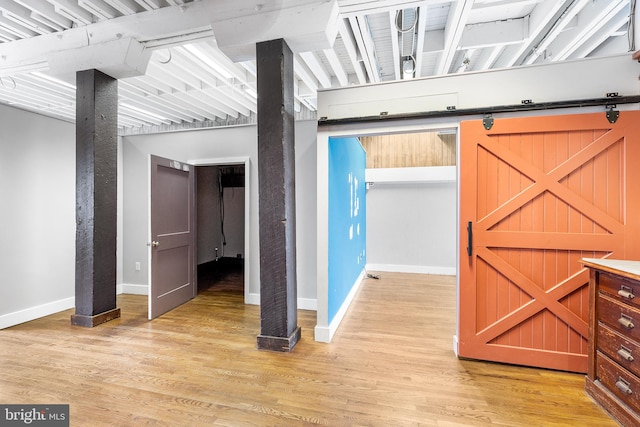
624,351
620,288
619,316
619,381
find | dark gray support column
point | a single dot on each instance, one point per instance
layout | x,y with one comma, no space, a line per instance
279,328
96,198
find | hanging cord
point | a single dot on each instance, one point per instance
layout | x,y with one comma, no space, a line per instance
631,29
221,204
399,24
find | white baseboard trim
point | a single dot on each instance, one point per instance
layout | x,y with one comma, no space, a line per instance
252,299
419,269
126,288
455,345
307,304
303,303
32,313
326,333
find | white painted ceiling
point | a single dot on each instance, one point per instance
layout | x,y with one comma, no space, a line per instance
190,82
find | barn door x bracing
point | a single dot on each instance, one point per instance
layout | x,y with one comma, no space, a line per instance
173,265
539,194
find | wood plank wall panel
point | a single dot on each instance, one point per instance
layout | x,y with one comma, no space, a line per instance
410,150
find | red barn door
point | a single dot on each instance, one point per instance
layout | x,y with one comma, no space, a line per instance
537,195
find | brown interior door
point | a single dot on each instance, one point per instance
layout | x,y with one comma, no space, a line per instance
173,262
537,195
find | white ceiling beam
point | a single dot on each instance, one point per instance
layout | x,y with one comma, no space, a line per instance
149,4
316,67
22,16
488,58
194,73
349,8
361,30
72,11
205,61
182,58
125,96
485,4
209,97
17,29
231,100
51,85
456,23
147,119
227,87
539,18
133,111
125,7
98,8
304,24
496,33
420,41
168,22
161,73
352,50
559,26
212,107
610,29
125,121
236,71
149,84
590,20
336,66
395,44
45,21
240,95
26,89
208,111
36,106
134,91
156,105
7,36
304,74
40,8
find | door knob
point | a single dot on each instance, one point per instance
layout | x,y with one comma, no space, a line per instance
155,244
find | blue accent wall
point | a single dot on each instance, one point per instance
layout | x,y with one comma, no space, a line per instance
347,218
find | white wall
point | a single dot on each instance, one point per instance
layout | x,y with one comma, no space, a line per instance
220,143
37,232
233,200
208,210
411,227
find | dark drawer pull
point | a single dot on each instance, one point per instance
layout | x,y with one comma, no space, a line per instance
624,386
626,321
626,292
625,353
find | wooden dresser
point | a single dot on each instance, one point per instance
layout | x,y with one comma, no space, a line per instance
613,377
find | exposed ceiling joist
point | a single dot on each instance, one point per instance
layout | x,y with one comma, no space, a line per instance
172,71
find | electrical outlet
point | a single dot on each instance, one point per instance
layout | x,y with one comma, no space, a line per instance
137,266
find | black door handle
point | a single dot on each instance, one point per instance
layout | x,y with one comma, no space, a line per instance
469,238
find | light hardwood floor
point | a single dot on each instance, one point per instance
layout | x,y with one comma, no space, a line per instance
390,364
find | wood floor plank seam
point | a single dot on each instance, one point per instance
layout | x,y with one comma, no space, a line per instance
391,363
